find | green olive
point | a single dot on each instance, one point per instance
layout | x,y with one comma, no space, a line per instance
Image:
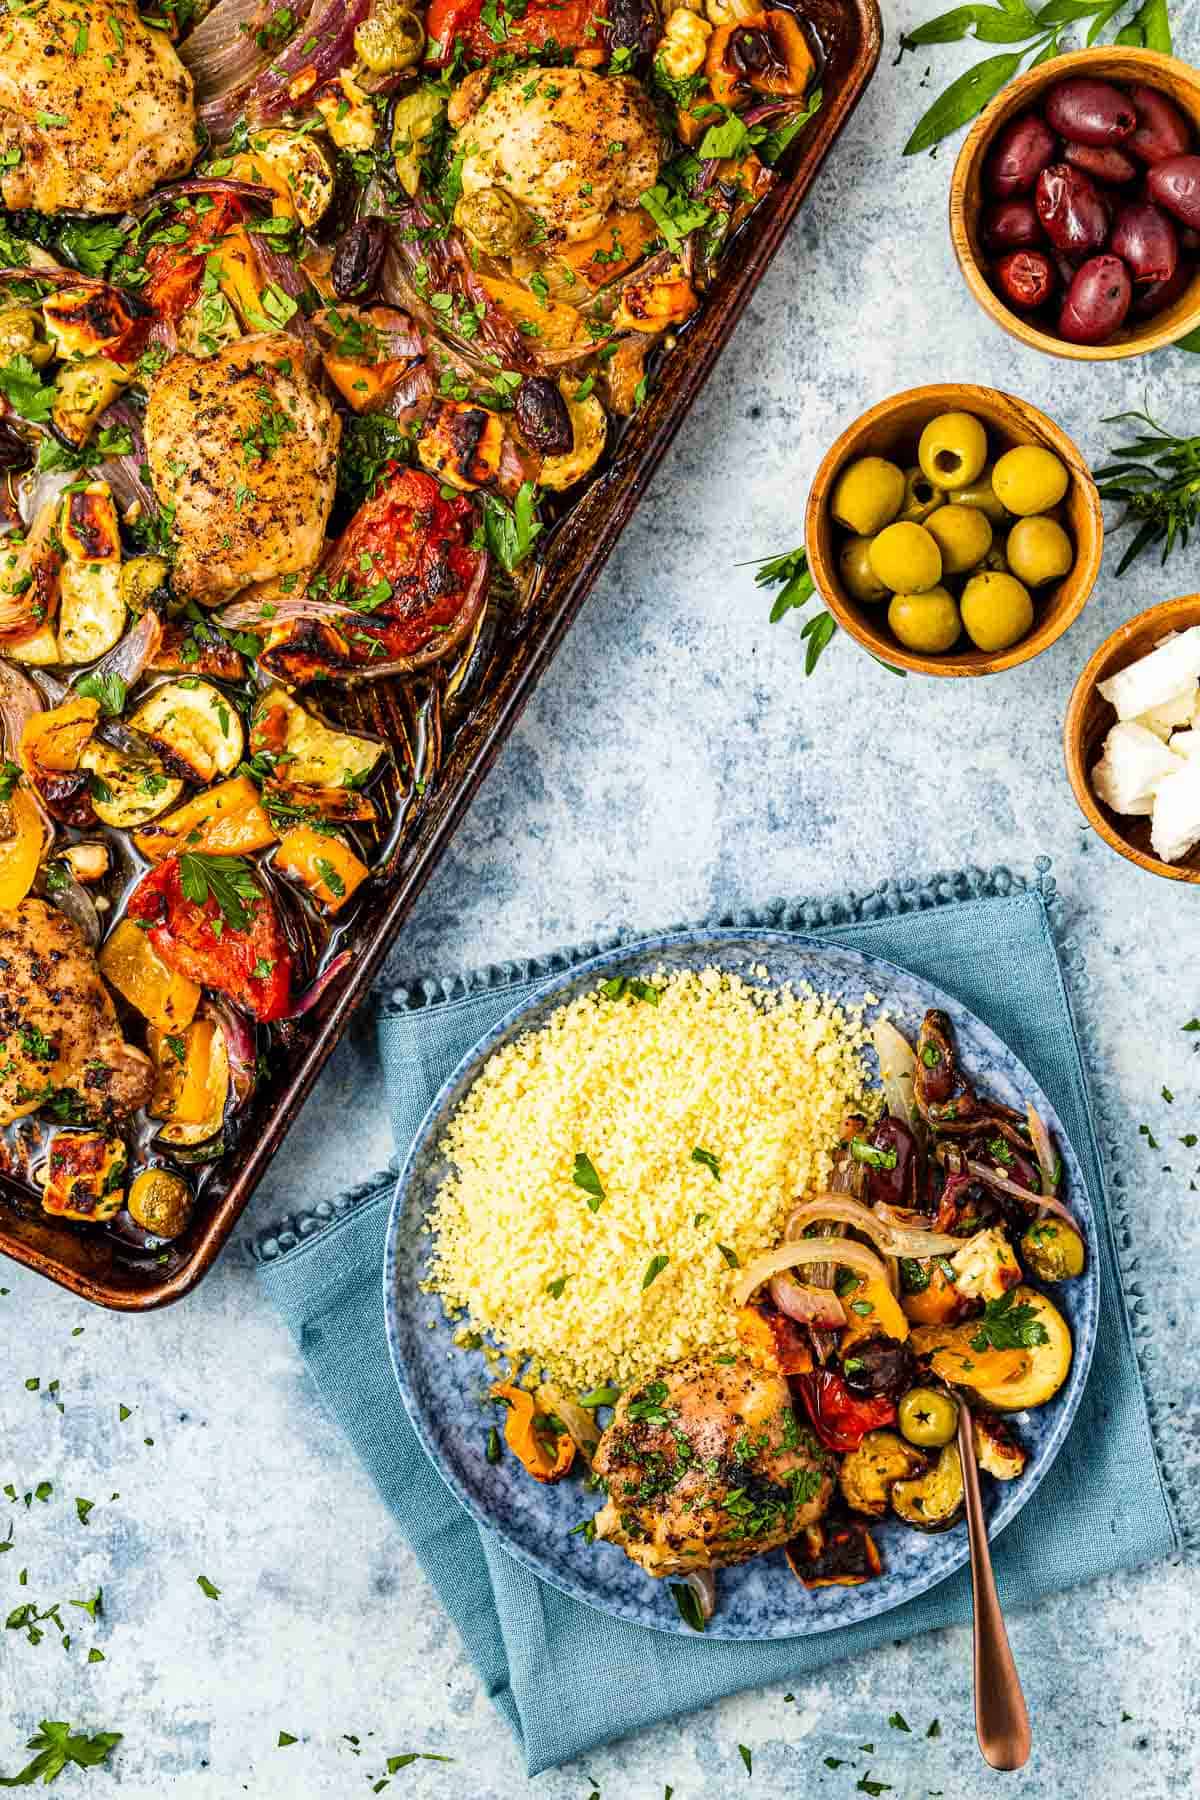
963,535
1029,479
906,559
160,1202
981,494
492,220
1052,1250
391,38
927,621
867,495
953,450
920,497
996,610
1038,550
141,578
928,1417
854,563
19,327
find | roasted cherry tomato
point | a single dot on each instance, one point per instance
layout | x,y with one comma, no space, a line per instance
840,1419
573,24
251,963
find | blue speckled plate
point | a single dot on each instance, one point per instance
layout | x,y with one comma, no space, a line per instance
442,1385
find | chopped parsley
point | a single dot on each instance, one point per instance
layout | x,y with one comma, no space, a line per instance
708,1161
584,1176
654,1269
109,690
226,879
208,1587
56,1746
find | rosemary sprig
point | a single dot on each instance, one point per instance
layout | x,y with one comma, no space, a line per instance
1157,476
1038,32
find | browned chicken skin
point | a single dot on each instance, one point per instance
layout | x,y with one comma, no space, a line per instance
59,1034
707,1465
243,445
96,105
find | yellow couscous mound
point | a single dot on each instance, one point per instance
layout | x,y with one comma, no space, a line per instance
757,1080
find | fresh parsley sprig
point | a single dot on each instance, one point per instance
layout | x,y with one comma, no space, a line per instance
1157,477
509,531
56,1746
1039,34
228,880
790,574
1009,1325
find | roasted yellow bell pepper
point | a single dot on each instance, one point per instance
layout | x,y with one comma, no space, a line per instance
545,1453
326,865
226,820
22,842
131,965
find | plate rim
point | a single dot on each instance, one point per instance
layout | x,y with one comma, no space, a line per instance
1014,1497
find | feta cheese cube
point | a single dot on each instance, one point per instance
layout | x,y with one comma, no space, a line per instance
1178,710
1186,743
1175,827
1133,764
1156,678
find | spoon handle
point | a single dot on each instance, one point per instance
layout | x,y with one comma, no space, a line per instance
1001,1717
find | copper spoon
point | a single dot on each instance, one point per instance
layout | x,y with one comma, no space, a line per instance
1001,1717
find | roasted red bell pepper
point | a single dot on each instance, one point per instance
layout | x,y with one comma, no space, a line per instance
177,268
487,30
840,1419
231,940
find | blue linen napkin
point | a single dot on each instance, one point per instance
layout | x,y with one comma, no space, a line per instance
559,1672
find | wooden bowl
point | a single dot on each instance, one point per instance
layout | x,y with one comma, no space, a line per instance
1090,718
892,429
1110,63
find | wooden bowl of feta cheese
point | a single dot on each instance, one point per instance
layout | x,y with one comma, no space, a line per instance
1132,739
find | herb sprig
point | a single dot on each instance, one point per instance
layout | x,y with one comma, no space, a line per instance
791,575
1157,477
226,879
56,1746
1009,1325
1038,33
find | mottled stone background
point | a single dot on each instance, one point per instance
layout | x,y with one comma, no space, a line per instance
675,760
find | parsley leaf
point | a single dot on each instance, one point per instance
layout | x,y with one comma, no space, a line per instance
90,244
584,1176
674,214
510,531
208,1587
109,690
1005,1325
57,1746
10,778
708,1160
226,879
22,387
654,1269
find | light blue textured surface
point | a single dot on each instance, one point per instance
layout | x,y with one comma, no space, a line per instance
673,763
440,1384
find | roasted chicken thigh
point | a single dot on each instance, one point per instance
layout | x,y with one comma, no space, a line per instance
243,445
95,107
568,145
58,1027
707,1465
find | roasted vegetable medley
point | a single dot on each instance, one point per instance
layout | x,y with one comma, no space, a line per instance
902,1306
310,318
955,542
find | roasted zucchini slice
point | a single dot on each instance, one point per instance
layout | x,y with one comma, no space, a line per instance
307,752
127,790
589,425
194,727
934,1501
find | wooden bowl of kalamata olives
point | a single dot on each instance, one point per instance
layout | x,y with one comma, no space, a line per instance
954,530
1075,204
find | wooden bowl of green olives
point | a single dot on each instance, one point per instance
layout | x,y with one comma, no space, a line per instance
954,530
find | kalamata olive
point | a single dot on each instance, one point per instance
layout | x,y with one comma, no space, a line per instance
358,258
1011,225
542,415
1071,210
1162,130
1156,296
1021,151
15,452
1086,111
880,1366
750,51
1025,278
1105,163
632,25
1097,301
1144,238
1175,184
